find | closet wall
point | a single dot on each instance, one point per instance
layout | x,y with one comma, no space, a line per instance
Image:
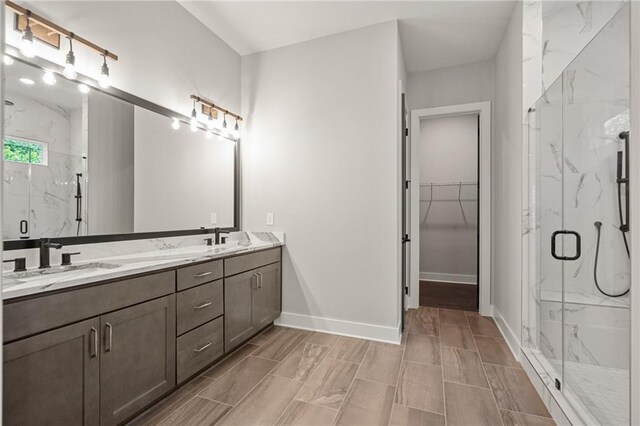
448,227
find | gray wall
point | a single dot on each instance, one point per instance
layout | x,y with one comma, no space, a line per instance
111,165
448,153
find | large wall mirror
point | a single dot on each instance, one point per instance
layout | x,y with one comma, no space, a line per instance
89,163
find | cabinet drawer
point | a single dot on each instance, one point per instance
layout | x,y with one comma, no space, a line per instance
199,305
199,348
192,276
236,265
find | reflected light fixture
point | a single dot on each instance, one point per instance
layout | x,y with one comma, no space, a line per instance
8,60
194,118
210,123
236,130
27,81
224,124
49,77
26,44
175,125
83,88
104,80
70,65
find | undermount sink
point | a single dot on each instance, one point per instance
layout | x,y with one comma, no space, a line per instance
12,278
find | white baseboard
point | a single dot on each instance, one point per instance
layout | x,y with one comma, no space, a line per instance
343,328
509,336
449,278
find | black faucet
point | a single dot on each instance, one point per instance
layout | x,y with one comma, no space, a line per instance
217,233
45,245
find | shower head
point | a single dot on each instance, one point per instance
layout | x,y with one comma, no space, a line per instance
598,224
624,135
8,103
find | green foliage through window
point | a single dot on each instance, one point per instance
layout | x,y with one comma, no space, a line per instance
23,152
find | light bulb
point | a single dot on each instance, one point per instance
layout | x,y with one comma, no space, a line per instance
176,124
194,120
104,80
49,78
210,123
26,44
70,64
8,60
83,88
209,134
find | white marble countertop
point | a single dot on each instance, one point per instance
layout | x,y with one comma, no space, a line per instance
35,281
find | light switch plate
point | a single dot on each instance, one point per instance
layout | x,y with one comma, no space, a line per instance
269,218
214,218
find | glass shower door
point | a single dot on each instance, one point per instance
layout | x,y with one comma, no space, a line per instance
546,163
596,307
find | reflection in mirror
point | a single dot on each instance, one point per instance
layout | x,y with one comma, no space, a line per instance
78,164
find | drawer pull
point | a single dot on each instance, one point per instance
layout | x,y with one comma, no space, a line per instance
203,274
94,342
204,305
109,337
203,348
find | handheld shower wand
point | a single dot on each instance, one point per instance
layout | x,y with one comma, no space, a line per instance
624,219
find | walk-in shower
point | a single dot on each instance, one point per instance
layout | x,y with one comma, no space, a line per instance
577,271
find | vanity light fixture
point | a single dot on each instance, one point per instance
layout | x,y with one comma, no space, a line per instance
104,80
83,88
194,118
49,77
8,60
26,44
214,124
175,124
28,49
70,65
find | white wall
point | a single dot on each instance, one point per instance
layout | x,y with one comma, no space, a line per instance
448,234
507,179
452,86
320,151
165,54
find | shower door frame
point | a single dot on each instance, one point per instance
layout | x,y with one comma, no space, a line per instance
483,109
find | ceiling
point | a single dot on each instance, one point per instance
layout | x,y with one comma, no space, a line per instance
434,34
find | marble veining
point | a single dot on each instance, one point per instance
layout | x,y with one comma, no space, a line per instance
121,259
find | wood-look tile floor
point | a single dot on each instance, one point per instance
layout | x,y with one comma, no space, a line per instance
453,368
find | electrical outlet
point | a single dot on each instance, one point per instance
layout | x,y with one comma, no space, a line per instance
270,219
214,218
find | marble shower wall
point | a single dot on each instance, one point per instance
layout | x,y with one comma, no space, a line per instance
571,142
43,195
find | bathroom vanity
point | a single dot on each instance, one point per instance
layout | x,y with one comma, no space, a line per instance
100,352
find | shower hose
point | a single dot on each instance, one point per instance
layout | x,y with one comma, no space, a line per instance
624,229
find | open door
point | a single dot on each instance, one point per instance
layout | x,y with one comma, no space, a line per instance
405,183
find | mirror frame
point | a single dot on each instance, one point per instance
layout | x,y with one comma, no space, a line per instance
30,243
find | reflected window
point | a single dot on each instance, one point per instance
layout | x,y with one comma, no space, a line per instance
24,151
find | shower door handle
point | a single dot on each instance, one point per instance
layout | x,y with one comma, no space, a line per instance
578,245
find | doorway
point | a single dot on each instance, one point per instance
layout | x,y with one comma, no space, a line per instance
453,262
449,178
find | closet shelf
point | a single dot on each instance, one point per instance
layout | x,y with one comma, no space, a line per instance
448,191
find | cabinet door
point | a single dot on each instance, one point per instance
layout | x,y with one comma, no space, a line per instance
266,300
137,358
238,316
53,378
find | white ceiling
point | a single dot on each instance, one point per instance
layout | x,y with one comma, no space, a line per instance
434,34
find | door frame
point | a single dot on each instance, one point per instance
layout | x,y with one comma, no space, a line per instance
483,109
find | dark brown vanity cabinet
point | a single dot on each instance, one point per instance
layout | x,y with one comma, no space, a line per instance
53,378
137,359
252,299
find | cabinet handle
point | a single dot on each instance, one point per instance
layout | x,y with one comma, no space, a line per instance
261,278
204,305
94,342
202,348
203,274
109,330
257,278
